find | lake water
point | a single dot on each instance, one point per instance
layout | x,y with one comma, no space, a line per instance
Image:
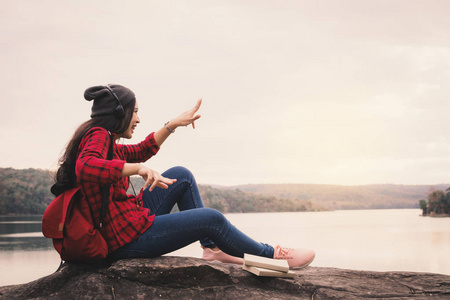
377,240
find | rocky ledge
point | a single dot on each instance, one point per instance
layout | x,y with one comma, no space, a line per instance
190,278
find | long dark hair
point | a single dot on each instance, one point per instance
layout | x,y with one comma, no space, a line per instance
65,176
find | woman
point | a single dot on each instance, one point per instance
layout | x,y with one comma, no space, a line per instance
142,225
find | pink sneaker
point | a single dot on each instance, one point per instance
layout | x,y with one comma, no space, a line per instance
296,258
211,255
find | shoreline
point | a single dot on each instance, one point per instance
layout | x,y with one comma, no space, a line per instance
437,215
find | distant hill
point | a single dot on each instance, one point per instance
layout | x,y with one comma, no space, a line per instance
28,192
348,197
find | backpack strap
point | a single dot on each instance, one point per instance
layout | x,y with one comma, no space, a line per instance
106,188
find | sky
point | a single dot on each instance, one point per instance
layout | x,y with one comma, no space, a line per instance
324,92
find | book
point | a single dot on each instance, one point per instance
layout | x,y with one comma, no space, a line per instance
280,265
268,273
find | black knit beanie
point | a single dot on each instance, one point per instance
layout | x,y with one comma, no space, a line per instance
104,101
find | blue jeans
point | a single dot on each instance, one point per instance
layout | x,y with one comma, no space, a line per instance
194,222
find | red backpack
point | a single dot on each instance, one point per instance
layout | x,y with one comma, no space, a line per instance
68,221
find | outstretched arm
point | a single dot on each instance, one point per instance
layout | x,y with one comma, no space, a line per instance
151,177
185,119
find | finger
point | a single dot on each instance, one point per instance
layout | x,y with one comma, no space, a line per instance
194,119
165,182
157,179
168,181
148,177
154,184
197,105
163,185
147,183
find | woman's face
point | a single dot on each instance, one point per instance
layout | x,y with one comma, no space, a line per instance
128,134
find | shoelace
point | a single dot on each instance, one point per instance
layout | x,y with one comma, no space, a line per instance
283,253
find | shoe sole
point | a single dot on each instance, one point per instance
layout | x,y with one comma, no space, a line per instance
305,265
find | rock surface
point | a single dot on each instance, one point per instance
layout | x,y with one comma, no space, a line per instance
190,278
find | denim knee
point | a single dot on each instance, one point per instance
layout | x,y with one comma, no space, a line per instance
179,173
214,216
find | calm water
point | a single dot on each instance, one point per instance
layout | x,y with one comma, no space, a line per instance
378,240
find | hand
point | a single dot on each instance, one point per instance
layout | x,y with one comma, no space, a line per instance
186,118
154,179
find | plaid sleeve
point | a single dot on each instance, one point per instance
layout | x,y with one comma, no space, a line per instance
92,165
140,152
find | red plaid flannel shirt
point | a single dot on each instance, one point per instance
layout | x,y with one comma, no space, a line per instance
125,219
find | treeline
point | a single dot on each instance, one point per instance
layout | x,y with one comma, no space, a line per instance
438,203
227,201
28,192
24,191
236,201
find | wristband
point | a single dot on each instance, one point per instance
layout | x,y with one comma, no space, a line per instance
167,127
